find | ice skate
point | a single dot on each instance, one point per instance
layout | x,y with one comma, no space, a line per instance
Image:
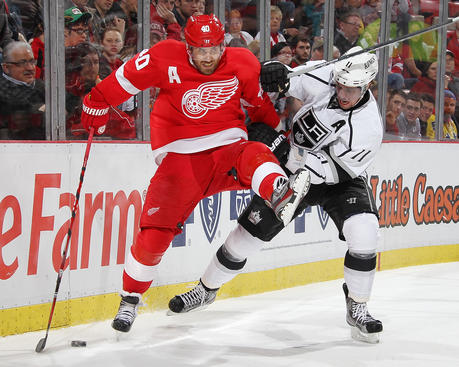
127,312
363,326
197,298
286,198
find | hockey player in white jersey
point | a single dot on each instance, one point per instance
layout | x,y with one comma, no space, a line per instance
335,136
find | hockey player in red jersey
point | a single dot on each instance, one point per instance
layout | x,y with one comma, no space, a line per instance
198,137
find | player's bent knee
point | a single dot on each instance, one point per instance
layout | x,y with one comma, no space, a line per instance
361,233
240,244
253,156
151,244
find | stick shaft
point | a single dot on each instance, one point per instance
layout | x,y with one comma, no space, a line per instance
305,69
42,342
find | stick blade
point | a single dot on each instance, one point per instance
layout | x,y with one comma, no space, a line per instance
41,345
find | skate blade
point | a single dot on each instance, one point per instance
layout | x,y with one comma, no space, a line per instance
121,336
372,338
172,313
300,187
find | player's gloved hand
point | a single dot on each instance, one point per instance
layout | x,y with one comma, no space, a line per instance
273,77
95,111
276,141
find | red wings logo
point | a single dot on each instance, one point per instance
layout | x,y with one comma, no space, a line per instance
208,96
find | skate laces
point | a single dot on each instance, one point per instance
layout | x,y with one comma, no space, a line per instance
127,311
195,296
360,312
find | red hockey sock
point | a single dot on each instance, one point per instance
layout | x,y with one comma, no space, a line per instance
267,185
134,286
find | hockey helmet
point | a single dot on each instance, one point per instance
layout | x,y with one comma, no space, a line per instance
204,31
356,71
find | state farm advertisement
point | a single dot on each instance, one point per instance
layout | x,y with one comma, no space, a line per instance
415,186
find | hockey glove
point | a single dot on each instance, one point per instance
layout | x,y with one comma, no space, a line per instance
276,141
273,77
95,111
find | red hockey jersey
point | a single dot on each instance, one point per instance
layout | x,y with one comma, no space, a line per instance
193,111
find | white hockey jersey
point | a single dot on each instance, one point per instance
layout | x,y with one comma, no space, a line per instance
335,145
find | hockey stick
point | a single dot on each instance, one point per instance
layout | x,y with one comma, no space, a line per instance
42,342
305,69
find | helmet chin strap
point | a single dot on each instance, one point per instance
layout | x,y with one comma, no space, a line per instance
188,51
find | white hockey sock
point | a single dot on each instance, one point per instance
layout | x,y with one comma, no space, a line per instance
230,258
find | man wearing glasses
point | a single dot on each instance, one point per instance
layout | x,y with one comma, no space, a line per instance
347,34
76,26
22,98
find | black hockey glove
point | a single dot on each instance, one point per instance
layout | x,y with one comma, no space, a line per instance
273,77
277,142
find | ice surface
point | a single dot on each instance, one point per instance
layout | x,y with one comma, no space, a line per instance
301,326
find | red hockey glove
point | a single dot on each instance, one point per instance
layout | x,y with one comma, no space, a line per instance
95,111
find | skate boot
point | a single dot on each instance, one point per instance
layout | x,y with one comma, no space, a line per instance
197,298
127,311
363,326
286,198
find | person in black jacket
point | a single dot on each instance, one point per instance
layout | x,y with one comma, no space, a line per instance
22,97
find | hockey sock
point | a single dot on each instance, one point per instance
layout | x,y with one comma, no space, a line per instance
134,286
269,184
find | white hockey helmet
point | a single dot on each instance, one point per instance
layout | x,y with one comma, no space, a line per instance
356,71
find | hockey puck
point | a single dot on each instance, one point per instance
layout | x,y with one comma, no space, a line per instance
78,343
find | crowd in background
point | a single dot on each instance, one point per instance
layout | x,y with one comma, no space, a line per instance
100,35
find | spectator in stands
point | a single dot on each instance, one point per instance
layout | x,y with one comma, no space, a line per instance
235,29
112,43
347,34
30,13
404,66
370,11
157,33
395,104
427,109
105,14
185,9
314,13
317,52
275,23
453,45
450,66
129,15
427,81
82,74
161,12
76,27
22,98
282,52
301,50
5,33
408,121
450,126
423,46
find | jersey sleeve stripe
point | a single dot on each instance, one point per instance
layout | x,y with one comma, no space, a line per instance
125,84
